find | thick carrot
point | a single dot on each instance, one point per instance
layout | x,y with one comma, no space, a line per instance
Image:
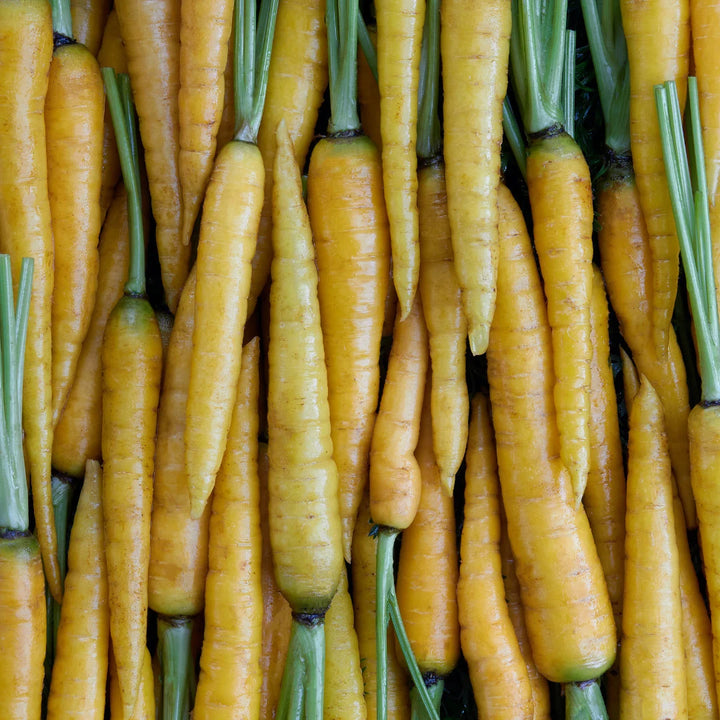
131,373
475,48
79,675
229,684
77,435
74,109
561,579
25,231
88,20
499,676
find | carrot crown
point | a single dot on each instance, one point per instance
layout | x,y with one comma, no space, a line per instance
14,511
603,22
117,88
429,135
685,170
537,52
253,47
61,20
341,18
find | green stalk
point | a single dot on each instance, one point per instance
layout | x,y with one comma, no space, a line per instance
177,671
366,45
435,686
569,83
117,89
341,18
514,136
685,170
14,508
61,21
253,47
584,701
429,134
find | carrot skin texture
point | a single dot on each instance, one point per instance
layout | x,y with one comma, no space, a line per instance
475,48
151,33
79,675
550,536
229,684
228,234
658,38
563,239
297,80
399,36
26,42
498,672
446,324
77,435
625,258
131,361
88,21
22,628
178,543
74,110
145,706
204,33
349,224
652,666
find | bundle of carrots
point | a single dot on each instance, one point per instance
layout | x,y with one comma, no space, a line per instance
281,298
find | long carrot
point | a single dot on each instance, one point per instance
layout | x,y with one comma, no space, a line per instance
25,231
88,21
228,235
132,367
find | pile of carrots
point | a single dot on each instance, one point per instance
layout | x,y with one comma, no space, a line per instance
269,309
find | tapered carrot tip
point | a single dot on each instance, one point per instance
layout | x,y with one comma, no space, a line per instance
478,337
448,485
197,505
348,528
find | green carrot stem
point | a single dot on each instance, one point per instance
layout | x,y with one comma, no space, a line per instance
177,672
514,136
569,83
311,633
61,20
435,687
429,134
584,701
367,45
341,18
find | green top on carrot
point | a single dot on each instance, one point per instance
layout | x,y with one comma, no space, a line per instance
117,88
253,47
685,169
61,21
14,510
341,18
429,134
603,22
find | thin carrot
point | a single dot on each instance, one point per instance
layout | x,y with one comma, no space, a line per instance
369,93
145,706
88,20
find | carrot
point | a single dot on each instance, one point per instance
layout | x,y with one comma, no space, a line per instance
499,676
227,121
304,518
25,231
74,109
474,43
428,572
229,684
297,80
145,707
549,534
652,62
77,435
368,91
79,674
151,34
652,668
88,20
228,235
204,34
131,371
22,597
439,288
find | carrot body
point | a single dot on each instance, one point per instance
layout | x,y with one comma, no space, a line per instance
131,362
25,231
151,33
88,21
499,676
22,627
625,258
556,169
349,224
228,235
204,33
652,667
446,324
399,36
658,38
561,579
296,87
77,435
369,96
475,45
74,110
79,675
178,543
145,706
229,684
